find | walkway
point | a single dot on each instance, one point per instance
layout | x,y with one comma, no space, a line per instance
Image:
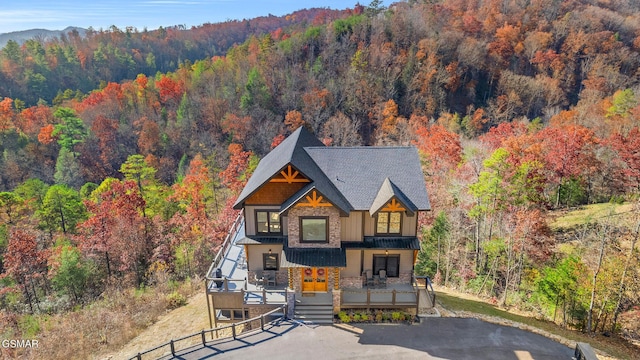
436,338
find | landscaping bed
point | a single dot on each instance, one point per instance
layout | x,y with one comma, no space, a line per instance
375,316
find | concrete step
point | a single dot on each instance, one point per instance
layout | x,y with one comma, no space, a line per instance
321,309
316,314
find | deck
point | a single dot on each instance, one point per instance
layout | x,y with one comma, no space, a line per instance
250,293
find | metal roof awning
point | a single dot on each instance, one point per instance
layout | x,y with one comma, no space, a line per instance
258,240
313,257
391,243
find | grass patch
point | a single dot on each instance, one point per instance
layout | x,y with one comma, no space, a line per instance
613,345
568,219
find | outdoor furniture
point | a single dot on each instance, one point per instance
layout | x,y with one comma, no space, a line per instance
368,275
270,277
383,278
259,278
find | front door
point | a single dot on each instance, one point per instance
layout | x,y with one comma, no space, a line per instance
314,279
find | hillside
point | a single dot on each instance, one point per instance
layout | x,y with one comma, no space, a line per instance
44,35
78,61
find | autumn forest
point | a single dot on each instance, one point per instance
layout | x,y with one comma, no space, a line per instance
123,150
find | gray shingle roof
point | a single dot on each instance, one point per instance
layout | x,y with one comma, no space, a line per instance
359,172
349,177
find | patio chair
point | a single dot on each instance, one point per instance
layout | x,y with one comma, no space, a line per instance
369,277
270,277
383,278
258,277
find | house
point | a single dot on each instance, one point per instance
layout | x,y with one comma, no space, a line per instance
333,220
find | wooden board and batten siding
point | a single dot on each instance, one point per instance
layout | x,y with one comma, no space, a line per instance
353,264
351,227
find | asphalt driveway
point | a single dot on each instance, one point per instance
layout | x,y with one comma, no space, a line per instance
436,338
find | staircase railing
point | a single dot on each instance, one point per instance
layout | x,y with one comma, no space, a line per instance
428,286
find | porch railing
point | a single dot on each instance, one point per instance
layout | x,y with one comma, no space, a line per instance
260,296
375,297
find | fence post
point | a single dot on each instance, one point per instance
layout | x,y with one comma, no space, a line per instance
173,348
262,322
393,297
233,331
264,295
139,357
204,340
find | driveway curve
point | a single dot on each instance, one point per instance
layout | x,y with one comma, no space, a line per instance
435,338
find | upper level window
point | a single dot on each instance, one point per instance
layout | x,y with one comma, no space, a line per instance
268,222
314,229
388,222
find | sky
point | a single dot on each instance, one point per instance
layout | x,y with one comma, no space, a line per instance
17,15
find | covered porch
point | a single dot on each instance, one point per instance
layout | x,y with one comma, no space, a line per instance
391,296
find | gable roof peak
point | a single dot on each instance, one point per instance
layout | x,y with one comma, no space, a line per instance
387,192
289,151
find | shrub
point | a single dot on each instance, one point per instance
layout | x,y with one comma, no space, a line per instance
395,316
29,326
344,317
176,300
379,316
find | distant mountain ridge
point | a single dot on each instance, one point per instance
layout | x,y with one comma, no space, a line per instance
22,36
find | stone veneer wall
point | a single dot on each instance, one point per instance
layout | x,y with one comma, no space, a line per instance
294,224
255,311
351,282
404,278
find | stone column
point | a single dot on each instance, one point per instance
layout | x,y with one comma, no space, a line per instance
337,294
291,304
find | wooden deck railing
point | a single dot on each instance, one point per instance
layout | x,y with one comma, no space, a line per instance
226,245
172,344
379,297
240,286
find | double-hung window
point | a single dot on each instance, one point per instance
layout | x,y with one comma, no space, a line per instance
270,261
388,223
268,223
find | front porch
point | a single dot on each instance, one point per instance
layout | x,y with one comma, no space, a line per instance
392,296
